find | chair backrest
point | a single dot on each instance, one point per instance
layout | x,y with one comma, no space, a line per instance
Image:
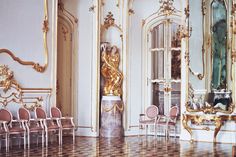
152,111
174,111
40,113
5,115
23,114
55,112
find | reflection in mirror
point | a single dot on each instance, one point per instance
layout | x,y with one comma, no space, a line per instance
219,44
213,92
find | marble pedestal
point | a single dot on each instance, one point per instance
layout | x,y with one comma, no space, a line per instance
111,117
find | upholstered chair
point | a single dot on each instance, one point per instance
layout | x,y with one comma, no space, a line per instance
66,123
51,125
4,134
15,127
169,122
33,126
149,118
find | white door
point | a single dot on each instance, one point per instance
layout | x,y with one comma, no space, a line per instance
64,67
164,65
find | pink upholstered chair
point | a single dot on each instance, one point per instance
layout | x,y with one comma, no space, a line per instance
169,122
33,126
4,134
149,118
51,125
66,123
15,127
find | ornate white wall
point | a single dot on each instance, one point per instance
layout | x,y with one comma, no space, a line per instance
21,32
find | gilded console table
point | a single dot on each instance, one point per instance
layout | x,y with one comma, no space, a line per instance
201,119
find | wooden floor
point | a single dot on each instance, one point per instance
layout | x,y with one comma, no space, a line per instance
128,147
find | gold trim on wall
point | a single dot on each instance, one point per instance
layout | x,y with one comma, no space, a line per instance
199,75
36,66
109,21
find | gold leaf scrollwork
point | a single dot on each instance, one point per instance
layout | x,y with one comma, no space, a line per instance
233,55
7,78
208,109
166,7
115,107
35,66
186,11
109,21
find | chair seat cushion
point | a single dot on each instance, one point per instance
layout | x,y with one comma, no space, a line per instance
67,126
53,127
16,130
35,129
164,123
149,121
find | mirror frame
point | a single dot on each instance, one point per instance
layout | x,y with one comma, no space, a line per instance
231,29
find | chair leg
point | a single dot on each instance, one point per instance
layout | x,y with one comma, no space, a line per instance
24,140
175,130
28,139
46,136
139,128
42,134
60,137
146,127
73,133
7,142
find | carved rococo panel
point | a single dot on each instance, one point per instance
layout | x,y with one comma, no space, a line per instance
12,93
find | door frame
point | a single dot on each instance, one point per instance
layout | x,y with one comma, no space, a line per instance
72,21
149,23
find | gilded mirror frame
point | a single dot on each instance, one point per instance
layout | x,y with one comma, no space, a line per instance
207,56
36,66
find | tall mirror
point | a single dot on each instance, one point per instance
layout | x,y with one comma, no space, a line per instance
210,63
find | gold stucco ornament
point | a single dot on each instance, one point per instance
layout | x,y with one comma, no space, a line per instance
7,78
110,58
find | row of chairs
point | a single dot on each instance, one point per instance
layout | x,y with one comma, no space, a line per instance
152,118
25,127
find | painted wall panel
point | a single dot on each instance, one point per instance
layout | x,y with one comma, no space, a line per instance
21,32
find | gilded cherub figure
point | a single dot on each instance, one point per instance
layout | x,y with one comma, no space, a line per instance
110,58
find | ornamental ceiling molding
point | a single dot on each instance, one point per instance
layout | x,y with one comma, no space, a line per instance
36,66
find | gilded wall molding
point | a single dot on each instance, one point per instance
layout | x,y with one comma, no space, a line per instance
167,8
200,76
233,56
13,92
66,13
36,66
7,78
109,21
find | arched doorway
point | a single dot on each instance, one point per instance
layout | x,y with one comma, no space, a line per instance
162,62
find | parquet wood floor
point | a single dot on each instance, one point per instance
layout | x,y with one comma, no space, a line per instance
128,147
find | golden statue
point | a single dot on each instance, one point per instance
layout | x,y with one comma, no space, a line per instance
110,70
